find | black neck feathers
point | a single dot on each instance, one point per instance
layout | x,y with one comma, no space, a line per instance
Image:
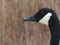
54,29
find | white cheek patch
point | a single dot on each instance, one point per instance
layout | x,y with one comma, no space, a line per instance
45,19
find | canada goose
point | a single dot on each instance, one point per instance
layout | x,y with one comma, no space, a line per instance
48,17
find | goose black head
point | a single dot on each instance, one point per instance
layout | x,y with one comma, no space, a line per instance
45,16
48,17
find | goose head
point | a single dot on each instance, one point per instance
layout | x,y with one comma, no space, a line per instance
48,17
45,16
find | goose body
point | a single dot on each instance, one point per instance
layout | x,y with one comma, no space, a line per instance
48,17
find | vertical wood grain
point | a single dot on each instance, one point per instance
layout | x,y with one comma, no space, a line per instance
14,31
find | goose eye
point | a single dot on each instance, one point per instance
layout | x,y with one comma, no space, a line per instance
42,11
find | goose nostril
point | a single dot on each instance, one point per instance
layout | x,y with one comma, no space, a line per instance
32,18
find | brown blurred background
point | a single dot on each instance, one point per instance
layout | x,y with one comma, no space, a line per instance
14,31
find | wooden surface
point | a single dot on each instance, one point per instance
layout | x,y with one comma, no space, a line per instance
14,31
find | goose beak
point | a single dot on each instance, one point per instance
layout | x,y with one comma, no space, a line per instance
32,18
